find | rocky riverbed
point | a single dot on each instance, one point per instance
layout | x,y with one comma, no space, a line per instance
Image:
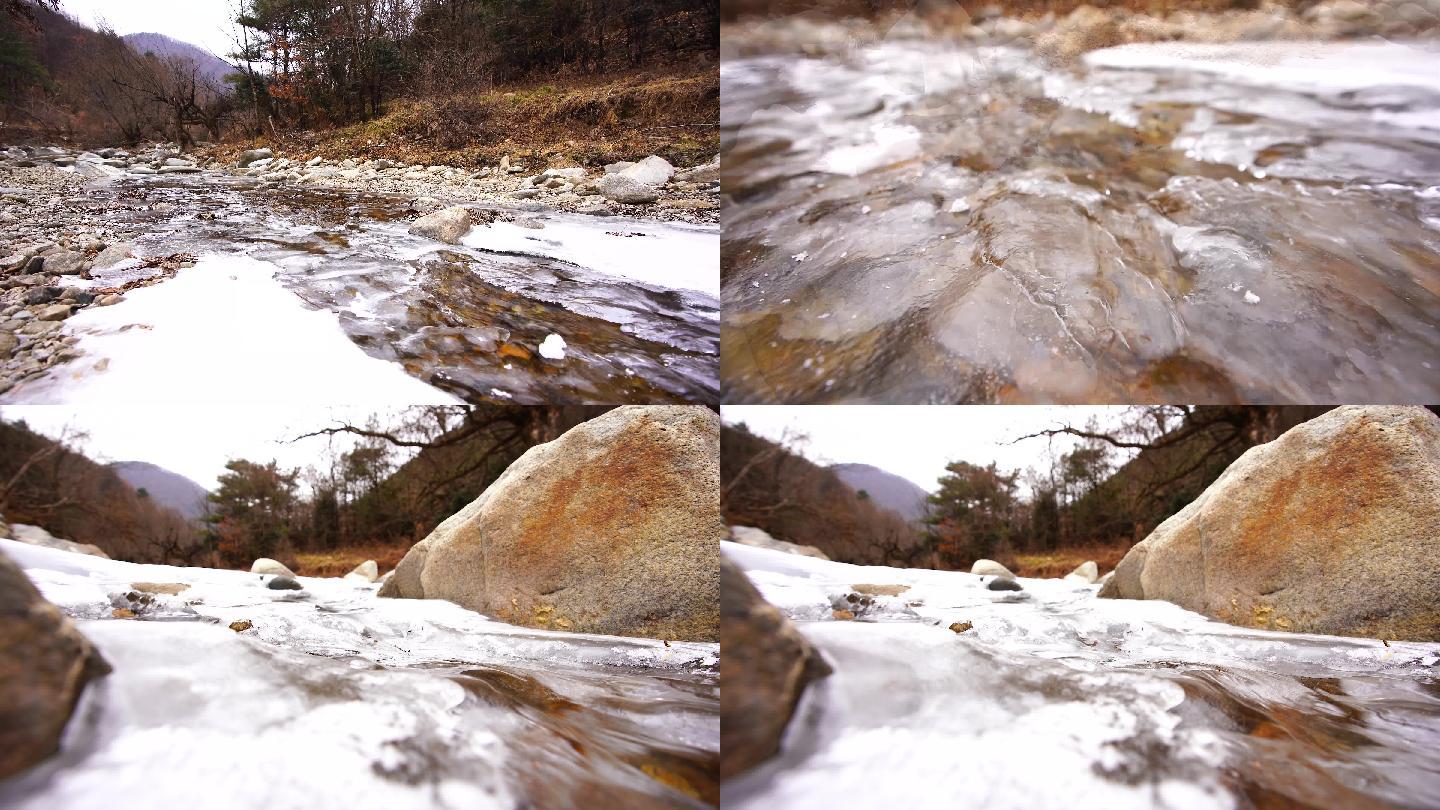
622,296
1075,209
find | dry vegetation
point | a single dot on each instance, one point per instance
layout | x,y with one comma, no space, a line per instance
337,562
578,120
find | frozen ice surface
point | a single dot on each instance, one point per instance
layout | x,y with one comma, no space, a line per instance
1057,698
667,256
225,330
335,698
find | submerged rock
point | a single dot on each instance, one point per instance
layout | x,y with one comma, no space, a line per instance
764,669
612,528
1003,584
45,664
751,536
265,565
447,225
1332,528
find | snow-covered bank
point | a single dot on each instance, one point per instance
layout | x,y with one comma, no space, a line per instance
225,330
333,697
1055,698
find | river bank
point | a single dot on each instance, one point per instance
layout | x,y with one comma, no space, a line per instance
636,305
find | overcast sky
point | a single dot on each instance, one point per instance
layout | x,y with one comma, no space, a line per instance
194,441
917,441
199,22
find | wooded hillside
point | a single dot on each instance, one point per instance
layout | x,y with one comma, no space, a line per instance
45,483
453,69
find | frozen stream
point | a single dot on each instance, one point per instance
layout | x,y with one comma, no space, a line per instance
335,698
295,289
1058,699
927,221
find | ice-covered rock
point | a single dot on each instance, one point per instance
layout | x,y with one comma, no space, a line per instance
751,536
447,225
36,536
1332,528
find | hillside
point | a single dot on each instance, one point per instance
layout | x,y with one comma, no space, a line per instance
169,489
44,483
211,66
886,490
766,485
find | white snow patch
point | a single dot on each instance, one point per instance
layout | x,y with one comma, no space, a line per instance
553,347
659,254
225,330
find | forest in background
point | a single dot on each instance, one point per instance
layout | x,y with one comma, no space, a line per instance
397,480
394,77
1094,501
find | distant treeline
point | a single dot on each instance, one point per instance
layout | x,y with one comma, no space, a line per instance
392,486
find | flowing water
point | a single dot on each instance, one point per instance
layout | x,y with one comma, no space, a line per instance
335,698
920,221
1054,697
634,302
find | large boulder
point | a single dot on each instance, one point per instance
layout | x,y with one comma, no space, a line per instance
612,528
252,155
628,190
764,670
44,666
751,536
447,225
1332,528
652,171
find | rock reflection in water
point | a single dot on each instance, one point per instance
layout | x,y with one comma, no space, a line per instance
920,221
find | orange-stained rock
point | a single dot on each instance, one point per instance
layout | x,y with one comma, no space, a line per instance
612,528
765,665
44,666
1332,528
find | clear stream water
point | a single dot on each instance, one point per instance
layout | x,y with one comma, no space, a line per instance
635,302
919,221
336,698
1055,698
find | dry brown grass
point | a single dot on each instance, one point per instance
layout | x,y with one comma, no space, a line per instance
1062,561
341,561
575,120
